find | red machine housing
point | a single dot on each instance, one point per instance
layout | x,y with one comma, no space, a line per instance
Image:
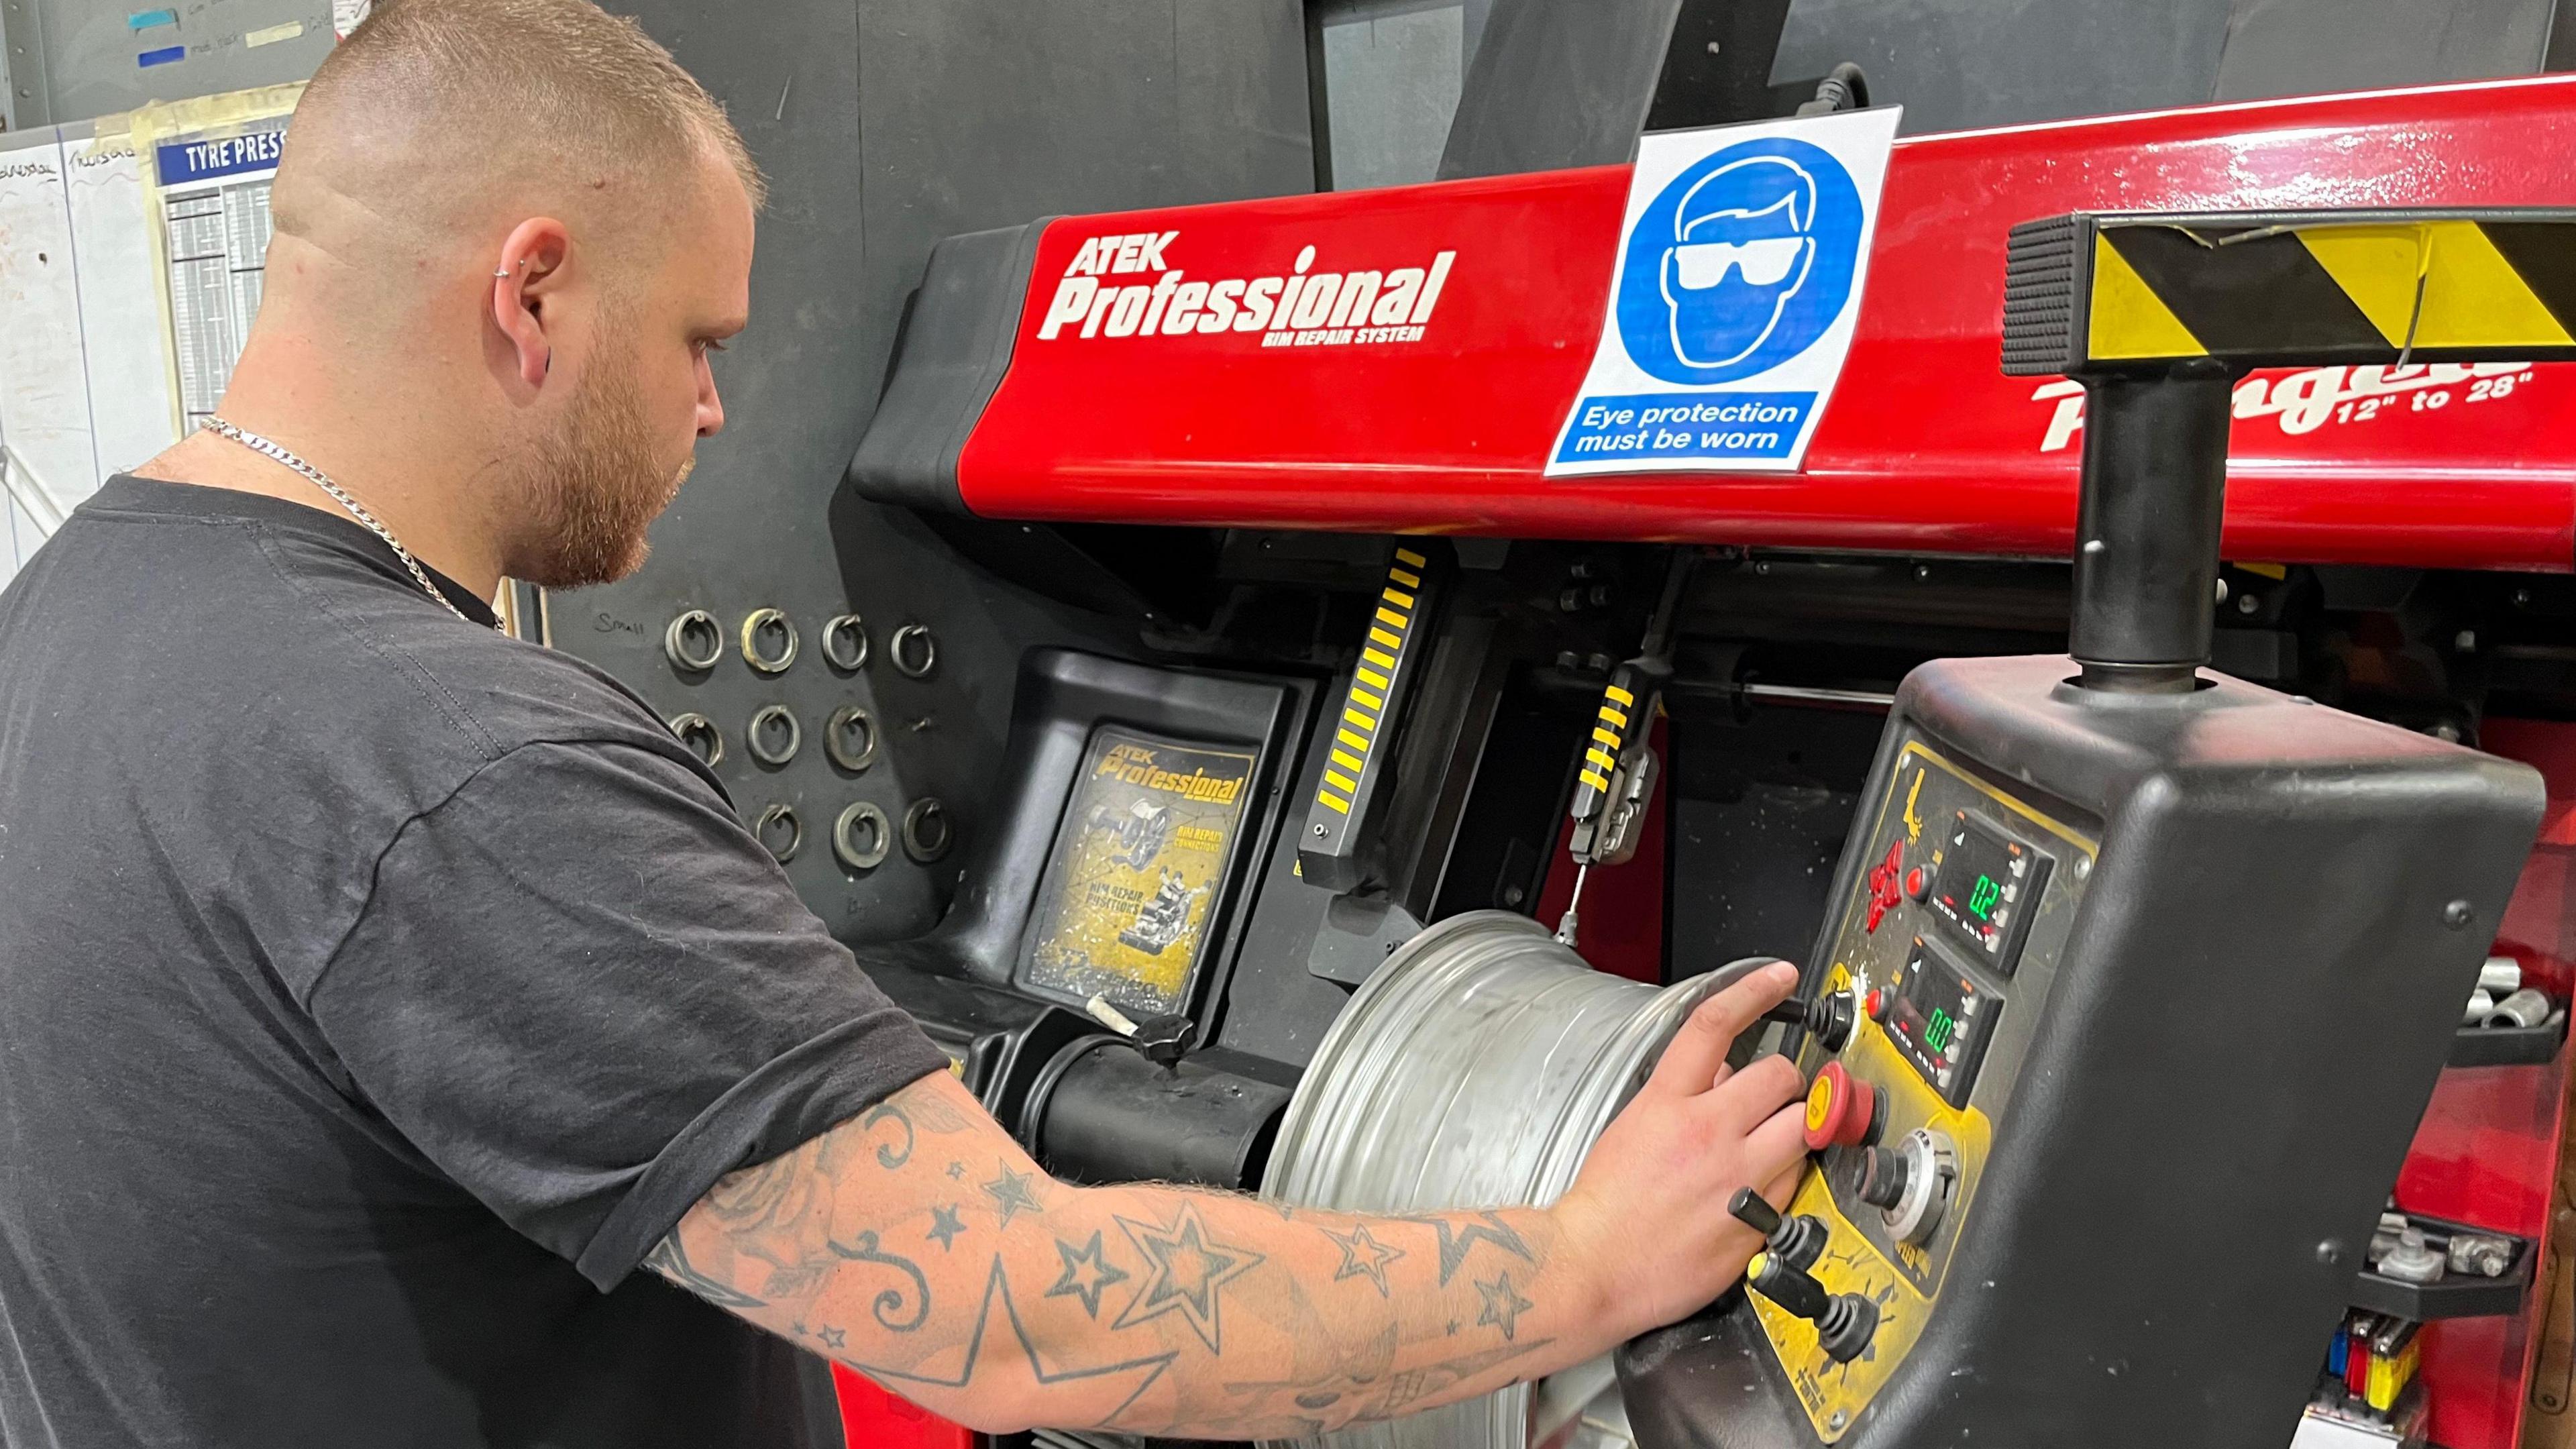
1925,446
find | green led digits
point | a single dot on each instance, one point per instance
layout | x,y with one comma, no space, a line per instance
1936,1032
1982,897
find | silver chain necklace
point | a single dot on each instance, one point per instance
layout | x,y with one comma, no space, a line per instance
340,495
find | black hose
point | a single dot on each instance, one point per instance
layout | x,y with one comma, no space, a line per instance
1844,88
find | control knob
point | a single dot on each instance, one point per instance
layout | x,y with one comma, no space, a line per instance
1913,1184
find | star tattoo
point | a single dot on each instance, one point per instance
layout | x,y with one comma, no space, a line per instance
945,1225
1503,1307
1065,1395
1189,1269
833,1337
1087,1270
1455,1242
1011,1195
1363,1257
957,1172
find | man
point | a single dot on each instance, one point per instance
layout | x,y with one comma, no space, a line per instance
377,993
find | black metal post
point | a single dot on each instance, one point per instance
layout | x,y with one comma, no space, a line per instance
2146,532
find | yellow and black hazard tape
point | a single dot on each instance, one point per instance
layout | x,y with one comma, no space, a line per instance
2094,292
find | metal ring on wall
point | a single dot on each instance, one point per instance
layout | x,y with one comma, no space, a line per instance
755,736
1476,1066
862,837
766,829
702,737
926,831
847,722
767,621
914,652
693,642
845,643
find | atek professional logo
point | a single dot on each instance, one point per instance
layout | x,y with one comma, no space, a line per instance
1300,306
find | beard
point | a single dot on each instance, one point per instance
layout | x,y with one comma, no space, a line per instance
594,486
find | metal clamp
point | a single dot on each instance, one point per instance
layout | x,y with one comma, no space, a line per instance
926,831
845,643
768,622
694,642
914,652
700,734
755,737
862,837
766,829
848,724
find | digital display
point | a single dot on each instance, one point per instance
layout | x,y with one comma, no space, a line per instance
1940,1020
1988,885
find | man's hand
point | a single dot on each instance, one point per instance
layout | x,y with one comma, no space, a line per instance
918,1244
1649,1209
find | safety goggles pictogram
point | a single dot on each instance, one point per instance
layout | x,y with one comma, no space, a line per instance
1766,262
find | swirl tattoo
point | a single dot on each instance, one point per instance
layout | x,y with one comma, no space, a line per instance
866,1249
887,1156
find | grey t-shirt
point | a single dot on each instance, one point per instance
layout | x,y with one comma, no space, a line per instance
375,991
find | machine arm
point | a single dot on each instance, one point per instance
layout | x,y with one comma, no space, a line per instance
2158,315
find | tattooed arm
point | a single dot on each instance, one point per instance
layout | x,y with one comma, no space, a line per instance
918,1244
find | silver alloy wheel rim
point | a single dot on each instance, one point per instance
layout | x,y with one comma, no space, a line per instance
1474,1069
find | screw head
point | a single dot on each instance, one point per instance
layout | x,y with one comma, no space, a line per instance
2458,914
1320,832
2248,603
2330,1252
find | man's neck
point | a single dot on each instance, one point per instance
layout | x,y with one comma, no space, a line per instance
443,539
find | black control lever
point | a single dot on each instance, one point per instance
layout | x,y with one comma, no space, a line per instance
1798,1241
1844,1321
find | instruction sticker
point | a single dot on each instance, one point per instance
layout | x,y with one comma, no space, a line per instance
1140,857
1737,288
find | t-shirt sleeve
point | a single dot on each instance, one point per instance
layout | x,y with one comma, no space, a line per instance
585,992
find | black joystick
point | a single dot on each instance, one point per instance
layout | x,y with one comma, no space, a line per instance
1797,1241
1844,1321
1828,1018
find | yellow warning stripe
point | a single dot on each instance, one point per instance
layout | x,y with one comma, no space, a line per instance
1620,696
1605,737
1364,721
1347,760
1409,558
1599,758
2292,289
1335,801
1595,779
1389,616
1340,781
1371,677
1617,718
1399,598
1405,577
1378,657
1362,696
1352,740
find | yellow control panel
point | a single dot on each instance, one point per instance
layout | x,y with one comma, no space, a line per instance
1944,945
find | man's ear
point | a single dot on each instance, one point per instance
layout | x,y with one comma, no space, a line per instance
527,278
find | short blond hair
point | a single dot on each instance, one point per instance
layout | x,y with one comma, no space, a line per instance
593,82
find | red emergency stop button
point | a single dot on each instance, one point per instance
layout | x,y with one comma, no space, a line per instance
1840,1111
1916,883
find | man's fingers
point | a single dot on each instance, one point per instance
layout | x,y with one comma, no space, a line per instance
1742,1102
1775,1155
1698,1051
